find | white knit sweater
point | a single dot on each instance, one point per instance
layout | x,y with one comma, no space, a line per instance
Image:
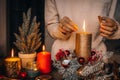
78,10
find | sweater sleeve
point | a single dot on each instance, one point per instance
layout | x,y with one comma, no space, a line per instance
111,15
52,19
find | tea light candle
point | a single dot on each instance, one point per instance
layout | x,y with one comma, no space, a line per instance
44,61
83,44
32,70
12,65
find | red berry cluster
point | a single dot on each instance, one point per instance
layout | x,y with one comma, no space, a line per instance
62,54
92,58
95,56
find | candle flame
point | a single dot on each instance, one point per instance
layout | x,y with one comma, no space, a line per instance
84,26
12,53
43,48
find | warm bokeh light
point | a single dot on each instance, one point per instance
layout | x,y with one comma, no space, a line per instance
12,53
43,47
84,26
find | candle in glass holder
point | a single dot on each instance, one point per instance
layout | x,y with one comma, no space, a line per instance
44,61
32,70
12,66
83,44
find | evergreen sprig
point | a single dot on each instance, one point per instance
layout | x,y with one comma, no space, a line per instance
29,39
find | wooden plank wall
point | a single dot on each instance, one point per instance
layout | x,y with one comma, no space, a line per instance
3,29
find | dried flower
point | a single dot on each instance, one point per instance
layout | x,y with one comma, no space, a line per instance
29,39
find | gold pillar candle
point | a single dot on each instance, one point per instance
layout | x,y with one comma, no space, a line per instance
83,44
12,66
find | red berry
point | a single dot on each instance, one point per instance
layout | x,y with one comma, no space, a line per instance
81,60
67,52
93,53
23,74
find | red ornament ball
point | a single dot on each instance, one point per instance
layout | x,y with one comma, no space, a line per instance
93,53
81,60
23,74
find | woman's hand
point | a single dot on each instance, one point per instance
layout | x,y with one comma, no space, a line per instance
66,27
107,27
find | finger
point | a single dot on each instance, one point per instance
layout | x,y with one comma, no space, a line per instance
108,24
104,35
105,32
64,36
60,28
63,29
67,29
107,28
69,24
109,21
65,24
